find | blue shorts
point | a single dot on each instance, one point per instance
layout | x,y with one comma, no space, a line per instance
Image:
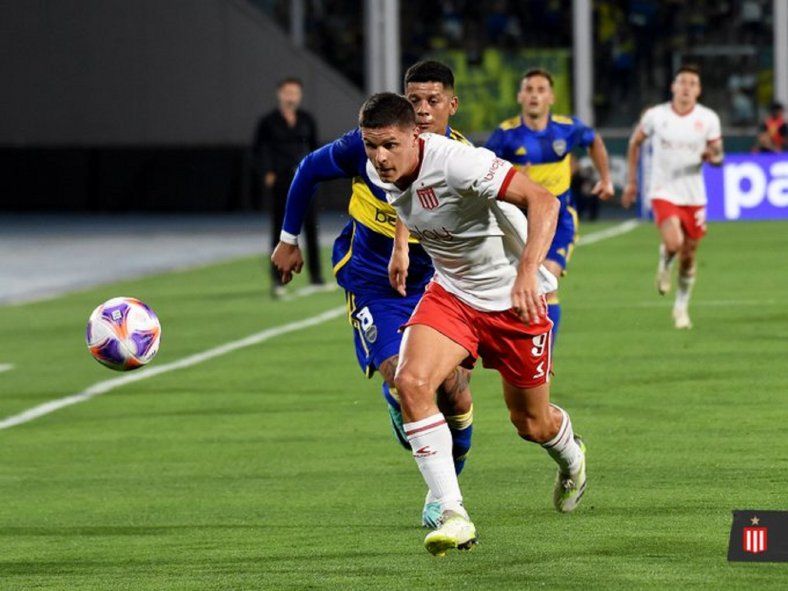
565,233
376,322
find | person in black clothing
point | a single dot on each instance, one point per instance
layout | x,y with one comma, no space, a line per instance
282,138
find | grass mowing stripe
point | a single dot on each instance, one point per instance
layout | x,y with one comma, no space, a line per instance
108,385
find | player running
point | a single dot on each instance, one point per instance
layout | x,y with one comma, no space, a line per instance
486,298
540,143
361,255
685,134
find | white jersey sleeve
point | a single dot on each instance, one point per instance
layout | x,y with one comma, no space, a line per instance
478,171
647,121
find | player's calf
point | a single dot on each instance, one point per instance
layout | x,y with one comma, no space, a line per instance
532,426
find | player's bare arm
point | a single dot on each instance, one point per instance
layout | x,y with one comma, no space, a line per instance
598,153
633,154
398,264
287,259
714,153
542,217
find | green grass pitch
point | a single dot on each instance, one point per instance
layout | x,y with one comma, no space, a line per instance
274,467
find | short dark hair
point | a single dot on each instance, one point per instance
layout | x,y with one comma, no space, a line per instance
430,71
289,80
385,109
776,106
538,72
687,69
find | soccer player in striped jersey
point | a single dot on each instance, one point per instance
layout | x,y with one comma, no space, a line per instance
485,300
685,134
361,255
540,144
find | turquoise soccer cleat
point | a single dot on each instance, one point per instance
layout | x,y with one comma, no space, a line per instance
431,513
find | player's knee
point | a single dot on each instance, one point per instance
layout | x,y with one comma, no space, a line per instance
532,427
411,386
674,244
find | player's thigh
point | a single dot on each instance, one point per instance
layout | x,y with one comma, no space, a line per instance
376,322
671,232
427,357
667,217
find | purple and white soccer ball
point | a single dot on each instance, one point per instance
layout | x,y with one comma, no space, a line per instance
123,334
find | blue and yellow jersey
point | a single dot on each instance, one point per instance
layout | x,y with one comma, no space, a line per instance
543,155
363,248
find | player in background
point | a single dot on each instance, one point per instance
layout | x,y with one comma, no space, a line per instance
684,134
540,144
486,298
361,255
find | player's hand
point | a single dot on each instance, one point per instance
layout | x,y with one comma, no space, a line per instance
603,189
629,195
398,270
270,179
526,299
712,155
288,260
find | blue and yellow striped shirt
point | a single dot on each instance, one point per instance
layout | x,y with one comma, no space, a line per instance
543,155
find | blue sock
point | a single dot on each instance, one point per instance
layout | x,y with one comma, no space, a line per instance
554,312
461,439
395,414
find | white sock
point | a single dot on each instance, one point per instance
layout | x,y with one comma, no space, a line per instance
667,259
563,448
684,290
430,440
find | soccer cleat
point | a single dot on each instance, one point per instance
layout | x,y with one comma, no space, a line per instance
455,531
681,319
431,514
569,488
662,280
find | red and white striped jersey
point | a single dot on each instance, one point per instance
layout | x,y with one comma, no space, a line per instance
678,142
475,241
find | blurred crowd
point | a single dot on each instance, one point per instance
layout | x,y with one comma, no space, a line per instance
638,44
641,42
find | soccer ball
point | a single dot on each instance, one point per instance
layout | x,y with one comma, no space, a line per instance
123,334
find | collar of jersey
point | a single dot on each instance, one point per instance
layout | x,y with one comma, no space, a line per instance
541,131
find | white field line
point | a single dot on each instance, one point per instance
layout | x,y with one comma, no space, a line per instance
100,388
308,290
6,367
612,232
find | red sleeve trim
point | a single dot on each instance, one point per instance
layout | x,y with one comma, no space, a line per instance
506,182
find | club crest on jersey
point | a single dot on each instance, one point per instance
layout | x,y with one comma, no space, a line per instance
559,146
427,198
